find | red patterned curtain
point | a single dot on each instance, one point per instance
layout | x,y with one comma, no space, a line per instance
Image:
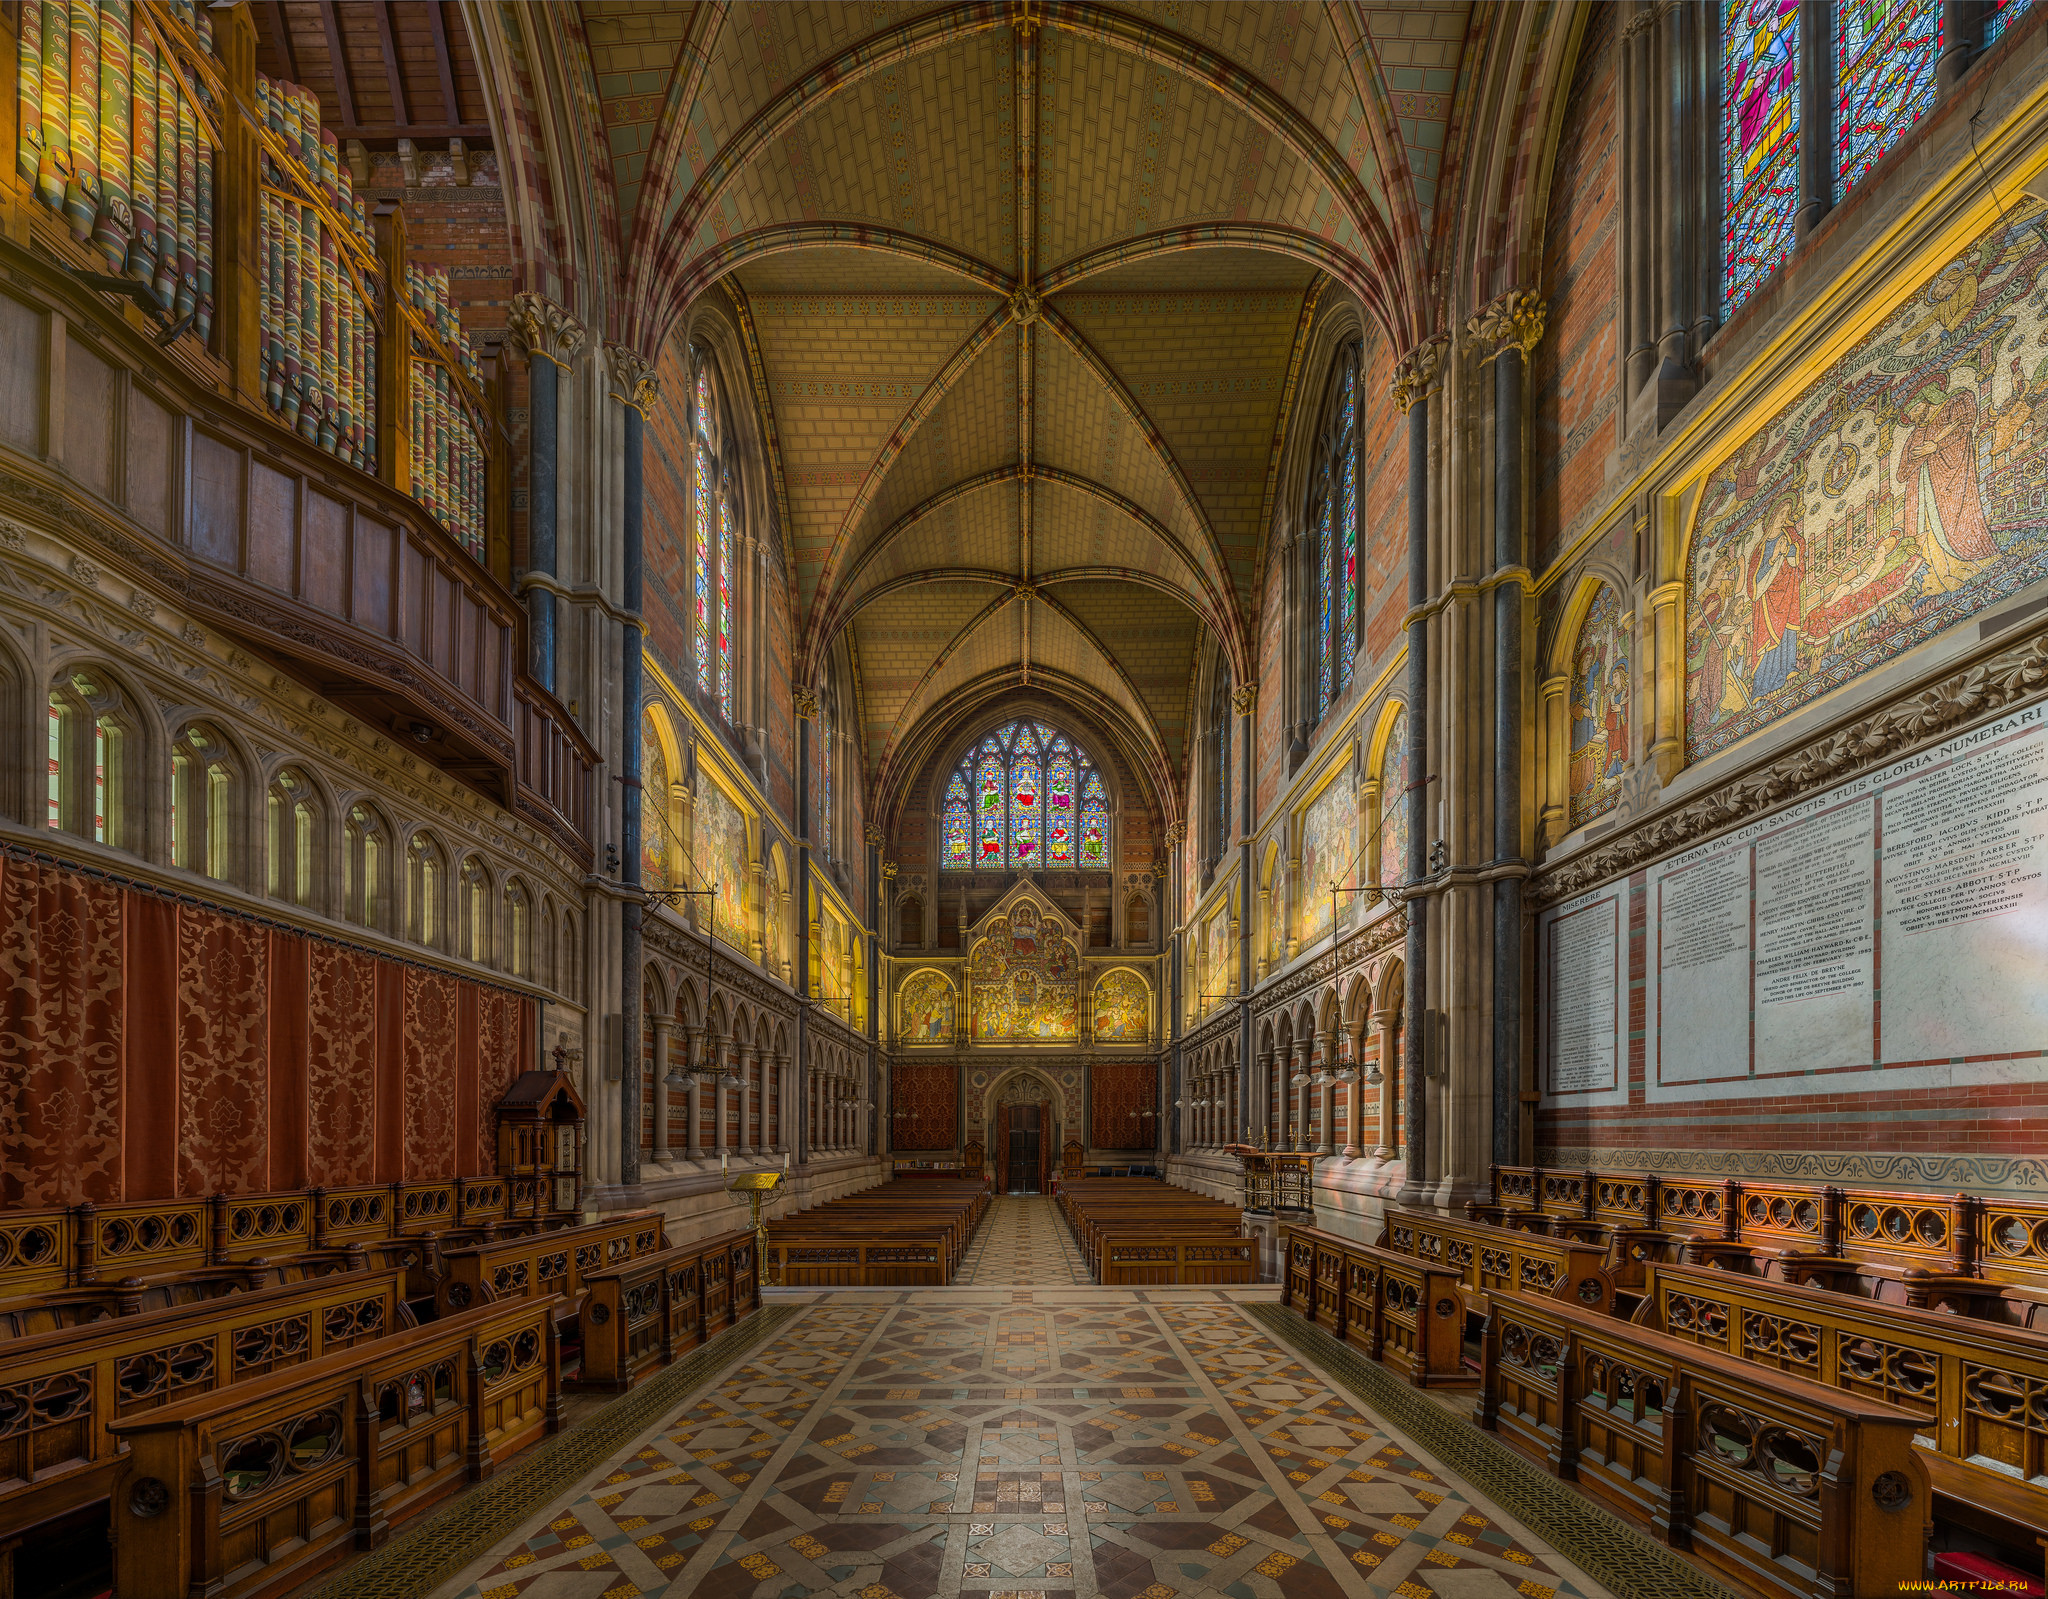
1116,1088
931,1093
156,1049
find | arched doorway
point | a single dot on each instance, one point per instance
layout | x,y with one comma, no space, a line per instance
1025,1135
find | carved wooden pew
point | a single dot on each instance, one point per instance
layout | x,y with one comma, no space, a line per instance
64,1390
256,1488
639,1317
1792,1488
1489,1258
901,1234
543,1265
1976,1391
1396,1309
1181,1260
1134,1230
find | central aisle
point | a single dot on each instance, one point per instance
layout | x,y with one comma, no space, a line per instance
1022,1242
1056,1443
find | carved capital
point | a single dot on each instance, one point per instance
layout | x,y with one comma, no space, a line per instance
805,702
1516,318
1176,834
633,381
1244,697
888,871
539,327
1417,372
873,835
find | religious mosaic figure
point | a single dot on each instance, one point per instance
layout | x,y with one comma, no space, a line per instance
1599,707
1901,492
1123,1008
1024,976
926,1009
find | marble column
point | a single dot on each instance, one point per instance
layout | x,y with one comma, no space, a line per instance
1326,1045
693,1045
1301,1065
1355,1092
721,1057
1383,1025
664,1030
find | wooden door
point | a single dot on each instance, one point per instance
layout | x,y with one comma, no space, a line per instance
1021,1162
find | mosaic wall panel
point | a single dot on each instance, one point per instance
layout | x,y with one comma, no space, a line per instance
1903,491
1329,853
1024,978
721,859
925,1009
1123,1008
1600,700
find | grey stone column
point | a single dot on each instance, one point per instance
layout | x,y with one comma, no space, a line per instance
1354,1093
664,1031
1326,1095
1383,1024
721,1057
753,1100
781,1144
549,338
1302,1049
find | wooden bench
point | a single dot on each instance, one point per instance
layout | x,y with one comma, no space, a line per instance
901,1234
1795,1490
1490,1259
639,1317
1978,1393
259,1486
1397,1310
1176,1259
546,1264
1134,1230
64,1390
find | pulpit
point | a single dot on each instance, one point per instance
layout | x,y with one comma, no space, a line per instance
1276,1183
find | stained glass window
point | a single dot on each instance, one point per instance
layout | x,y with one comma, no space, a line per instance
957,823
1333,517
2004,13
1024,798
725,600
1885,52
1347,522
1759,140
1094,823
701,543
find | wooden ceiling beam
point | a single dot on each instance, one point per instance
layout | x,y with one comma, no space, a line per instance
471,133
400,113
450,112
281,32
337,64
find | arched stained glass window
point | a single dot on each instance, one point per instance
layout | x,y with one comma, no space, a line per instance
1333,514
957,822
714,581
1026,798
1094,823
1885,52
1759,139
2004,13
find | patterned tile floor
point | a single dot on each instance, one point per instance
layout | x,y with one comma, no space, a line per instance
1022,1241
1046,1443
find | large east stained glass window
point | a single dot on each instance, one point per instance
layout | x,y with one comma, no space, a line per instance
1026,798
1759,140
1885,52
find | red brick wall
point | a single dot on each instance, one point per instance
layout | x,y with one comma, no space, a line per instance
1383,553
1576,420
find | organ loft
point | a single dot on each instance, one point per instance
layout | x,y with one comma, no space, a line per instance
1053,799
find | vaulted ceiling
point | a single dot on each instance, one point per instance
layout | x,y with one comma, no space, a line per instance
1028,391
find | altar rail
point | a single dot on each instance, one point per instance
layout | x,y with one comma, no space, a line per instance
1794,1490
257,1487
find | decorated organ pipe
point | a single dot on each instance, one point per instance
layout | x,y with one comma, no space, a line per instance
318,273
447,435
117,132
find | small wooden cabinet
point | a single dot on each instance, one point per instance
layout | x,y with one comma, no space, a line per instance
540,1137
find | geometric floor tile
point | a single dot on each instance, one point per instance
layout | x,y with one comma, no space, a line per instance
1042,1442
1023,1240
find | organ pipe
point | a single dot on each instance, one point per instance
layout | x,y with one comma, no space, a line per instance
120,107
